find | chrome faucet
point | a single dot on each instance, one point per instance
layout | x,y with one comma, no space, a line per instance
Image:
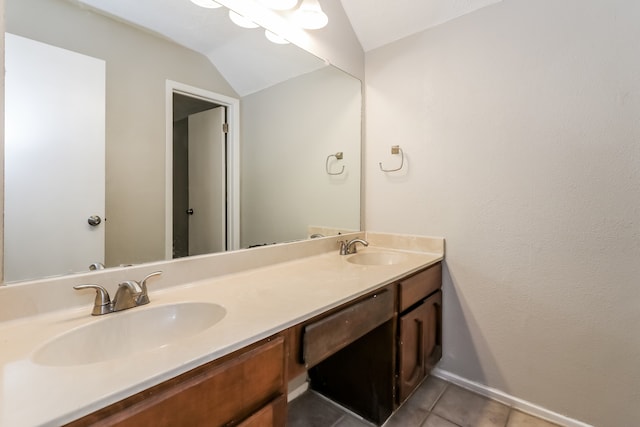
96,266
347,248
129,294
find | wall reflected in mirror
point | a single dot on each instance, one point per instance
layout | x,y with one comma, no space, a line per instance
288,126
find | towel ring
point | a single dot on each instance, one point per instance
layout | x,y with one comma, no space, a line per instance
394,150
339,156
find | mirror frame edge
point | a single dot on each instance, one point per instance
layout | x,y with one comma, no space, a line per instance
2,29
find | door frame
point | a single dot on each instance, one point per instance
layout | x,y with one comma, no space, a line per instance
232,153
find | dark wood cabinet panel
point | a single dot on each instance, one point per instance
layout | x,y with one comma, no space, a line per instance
411,350
296,364
376,373
222,393
419,343
361,376
433,338
415,288
272,415
325,337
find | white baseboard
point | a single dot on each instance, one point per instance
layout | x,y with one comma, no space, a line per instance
507,399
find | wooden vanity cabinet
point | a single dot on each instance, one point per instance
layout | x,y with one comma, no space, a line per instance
368,355
246,388
419,328
376,372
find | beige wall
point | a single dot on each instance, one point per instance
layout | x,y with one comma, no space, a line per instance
288,131
138,65
521,128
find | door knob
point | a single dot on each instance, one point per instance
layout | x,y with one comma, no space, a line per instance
94,220
189,211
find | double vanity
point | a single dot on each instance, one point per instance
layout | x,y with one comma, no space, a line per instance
227,336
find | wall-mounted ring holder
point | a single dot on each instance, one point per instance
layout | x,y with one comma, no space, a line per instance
339,156
395,149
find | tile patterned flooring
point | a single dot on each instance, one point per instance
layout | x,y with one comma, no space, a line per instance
436,403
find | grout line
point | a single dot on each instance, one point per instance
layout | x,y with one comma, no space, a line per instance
440,416
437,399
337,421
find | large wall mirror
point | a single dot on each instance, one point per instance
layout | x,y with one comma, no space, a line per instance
100,70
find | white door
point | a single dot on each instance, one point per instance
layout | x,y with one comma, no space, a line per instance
207,184
54,160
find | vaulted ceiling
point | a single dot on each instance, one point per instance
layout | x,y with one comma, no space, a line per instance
210,32
377,22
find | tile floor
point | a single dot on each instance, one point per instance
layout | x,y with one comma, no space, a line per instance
436,403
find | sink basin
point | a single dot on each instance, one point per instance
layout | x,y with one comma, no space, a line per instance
377,258
121,334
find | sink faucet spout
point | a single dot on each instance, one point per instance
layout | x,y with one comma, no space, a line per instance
347,248
128,292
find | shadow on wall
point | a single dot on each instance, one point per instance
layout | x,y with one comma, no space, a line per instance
463,339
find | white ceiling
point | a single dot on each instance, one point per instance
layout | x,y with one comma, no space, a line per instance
378,22
248,61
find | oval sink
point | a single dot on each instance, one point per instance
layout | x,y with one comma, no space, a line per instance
121,334
377,258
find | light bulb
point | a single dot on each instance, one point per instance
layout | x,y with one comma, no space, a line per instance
279,4
274,38
310,15
209,4
241,21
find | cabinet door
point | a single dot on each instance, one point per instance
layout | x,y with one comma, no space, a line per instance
411,347
433,331
419,344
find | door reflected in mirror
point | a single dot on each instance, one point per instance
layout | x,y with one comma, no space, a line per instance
199,177
294,112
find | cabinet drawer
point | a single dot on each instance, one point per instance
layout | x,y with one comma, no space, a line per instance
323,338
217,394
418,286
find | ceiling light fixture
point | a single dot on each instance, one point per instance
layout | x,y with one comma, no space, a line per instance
279,4
274,38
310,15
241,21
209,4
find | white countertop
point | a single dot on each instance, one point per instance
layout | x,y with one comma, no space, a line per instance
259,302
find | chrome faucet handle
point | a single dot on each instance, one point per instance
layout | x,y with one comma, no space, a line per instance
343,247
102,303
144,297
